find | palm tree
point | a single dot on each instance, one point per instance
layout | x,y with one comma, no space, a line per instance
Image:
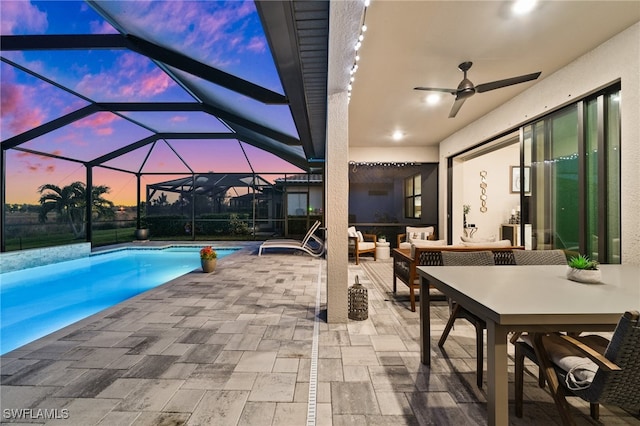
69,203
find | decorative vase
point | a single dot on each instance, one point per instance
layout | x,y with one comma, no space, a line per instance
142,234
208,265
589,276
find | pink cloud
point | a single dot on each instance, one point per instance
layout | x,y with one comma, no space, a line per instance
154,84
104,27
16,112
256,44
96,120
98,123
21,17
178,119
105,131
134,78
50,169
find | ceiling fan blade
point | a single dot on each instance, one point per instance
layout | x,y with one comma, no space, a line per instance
485,87
456,106
435,89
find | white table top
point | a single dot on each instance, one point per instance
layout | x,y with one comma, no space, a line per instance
511,295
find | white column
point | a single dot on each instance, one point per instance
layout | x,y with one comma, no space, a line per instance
337,199
345,19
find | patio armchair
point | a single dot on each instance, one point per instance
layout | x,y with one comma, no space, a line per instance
360,243
413,234
590,367
473,258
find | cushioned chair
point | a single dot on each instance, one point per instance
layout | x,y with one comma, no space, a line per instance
415,234
471,258
360,243
590,367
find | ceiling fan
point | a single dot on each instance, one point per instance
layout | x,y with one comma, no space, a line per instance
466,89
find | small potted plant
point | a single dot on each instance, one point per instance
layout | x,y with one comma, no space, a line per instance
208,259
583,269
382,238
465,211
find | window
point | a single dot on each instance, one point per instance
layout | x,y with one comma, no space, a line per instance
413,196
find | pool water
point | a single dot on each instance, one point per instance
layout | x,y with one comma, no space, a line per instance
38,301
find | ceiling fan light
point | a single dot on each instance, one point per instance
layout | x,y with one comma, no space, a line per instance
433,99
522,7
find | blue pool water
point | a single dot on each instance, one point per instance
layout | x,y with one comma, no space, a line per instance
37,301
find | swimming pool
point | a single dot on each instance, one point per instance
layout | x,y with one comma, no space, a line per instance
38,301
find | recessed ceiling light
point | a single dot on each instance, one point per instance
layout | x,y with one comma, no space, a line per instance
397,135
433,99
521,7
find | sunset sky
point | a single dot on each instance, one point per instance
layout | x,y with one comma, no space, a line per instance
224,35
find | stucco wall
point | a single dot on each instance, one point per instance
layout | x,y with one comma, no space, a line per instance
618,59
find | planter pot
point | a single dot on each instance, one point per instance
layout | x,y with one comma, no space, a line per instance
208,265
589,276
142,234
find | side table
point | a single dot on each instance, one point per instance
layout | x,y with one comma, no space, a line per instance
383,250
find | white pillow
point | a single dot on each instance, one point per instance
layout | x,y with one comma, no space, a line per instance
582,370
419,234
491,239
352,231
501,243
360,236
425,244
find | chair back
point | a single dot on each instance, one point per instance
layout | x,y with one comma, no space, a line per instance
622,387
467,258
539,257
310,232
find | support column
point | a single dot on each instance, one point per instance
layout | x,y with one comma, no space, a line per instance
345,19
337,207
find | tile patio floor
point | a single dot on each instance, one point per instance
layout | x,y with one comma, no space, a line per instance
238,347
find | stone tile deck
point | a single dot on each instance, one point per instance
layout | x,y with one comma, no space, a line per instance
238,347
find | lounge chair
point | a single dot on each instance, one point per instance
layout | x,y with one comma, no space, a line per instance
309,244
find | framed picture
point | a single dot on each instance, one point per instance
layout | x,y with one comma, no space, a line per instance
517,181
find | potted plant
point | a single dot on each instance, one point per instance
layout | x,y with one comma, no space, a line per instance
382,239
465,211
584,270
208,259
142,232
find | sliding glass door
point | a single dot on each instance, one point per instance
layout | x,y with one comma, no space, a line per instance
573,157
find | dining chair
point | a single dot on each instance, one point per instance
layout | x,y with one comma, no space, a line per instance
540,257
472,258
598,370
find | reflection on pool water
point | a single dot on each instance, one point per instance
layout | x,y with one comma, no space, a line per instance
38,301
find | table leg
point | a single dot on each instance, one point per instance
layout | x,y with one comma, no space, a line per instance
497,376
425,323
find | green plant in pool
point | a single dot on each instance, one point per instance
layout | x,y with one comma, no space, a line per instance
583,262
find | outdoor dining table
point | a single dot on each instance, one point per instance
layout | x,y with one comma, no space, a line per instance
526,298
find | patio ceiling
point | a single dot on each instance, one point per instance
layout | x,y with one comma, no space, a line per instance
284,115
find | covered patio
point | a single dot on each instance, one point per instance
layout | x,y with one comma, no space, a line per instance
249,345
